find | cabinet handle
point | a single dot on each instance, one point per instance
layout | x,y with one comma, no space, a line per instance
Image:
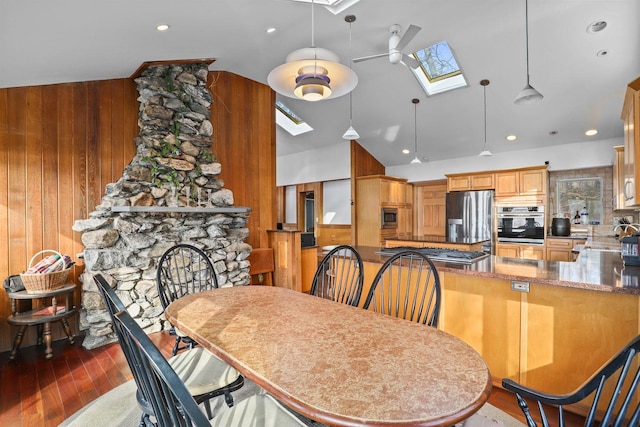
627,183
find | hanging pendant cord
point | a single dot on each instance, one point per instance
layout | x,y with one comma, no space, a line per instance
526,23
484,88
415,127
350,62
313,43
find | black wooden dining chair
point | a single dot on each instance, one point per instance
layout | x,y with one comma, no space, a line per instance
170,399
182,270
407,286
205,375
620,376
339,276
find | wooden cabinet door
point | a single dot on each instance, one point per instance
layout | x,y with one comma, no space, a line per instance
556,254
507,184
482,181
484,313
618,178
509,251
430,216
568,334
531,252
533,182
458,183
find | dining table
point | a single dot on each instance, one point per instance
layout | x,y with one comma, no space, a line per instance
334,363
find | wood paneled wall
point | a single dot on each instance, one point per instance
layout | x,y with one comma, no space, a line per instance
362,164
61,144
243,117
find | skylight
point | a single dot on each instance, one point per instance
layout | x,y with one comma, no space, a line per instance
289,121
333,6
439,70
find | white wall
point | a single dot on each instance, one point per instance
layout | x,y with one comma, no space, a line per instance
580,155
336,201
291,207
325,164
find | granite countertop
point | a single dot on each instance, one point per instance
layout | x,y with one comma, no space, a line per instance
597,268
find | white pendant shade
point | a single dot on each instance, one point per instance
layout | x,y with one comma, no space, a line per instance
415,161
528,95
351,134
485,153
342,79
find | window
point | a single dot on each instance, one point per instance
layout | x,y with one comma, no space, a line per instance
289,121
439,71
575,194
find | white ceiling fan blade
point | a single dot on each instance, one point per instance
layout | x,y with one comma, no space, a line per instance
409,61
408,36
365,58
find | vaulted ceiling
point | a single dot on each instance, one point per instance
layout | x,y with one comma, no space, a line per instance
43,42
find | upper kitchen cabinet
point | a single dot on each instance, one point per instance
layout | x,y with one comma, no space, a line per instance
618,178
525,183
372,194
392,190
466,182
631,118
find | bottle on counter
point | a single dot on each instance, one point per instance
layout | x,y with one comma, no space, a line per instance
584,216
576,219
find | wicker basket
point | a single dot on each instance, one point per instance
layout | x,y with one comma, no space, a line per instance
43,282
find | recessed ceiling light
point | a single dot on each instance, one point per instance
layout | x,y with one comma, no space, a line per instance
596,26
271,30
162,27
591,132
511,137
405,151
603,52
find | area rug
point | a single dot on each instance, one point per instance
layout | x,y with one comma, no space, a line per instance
118,408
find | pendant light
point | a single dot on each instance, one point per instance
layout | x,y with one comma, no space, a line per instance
527,95
351,133
415,160
485,152
312,73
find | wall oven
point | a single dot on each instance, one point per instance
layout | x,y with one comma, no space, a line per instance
520,224
389,217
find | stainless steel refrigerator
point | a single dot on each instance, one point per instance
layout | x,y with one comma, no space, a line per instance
469,217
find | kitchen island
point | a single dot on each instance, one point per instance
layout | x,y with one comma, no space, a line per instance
547,324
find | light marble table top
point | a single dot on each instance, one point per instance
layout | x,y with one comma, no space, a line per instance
334,363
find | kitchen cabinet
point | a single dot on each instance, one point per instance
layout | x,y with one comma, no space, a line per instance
534,336
372,193
466,182
559,249
510,250
618,178
631,118
430,208
522,182
392,192
484,313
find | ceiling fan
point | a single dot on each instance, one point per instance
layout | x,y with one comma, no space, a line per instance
396,44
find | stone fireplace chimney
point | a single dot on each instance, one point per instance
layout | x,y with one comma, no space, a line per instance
170,193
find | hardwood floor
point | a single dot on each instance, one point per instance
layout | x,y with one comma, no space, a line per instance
39,392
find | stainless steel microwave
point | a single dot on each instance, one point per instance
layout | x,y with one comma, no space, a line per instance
389,217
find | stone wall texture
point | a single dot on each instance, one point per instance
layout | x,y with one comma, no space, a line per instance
173,167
